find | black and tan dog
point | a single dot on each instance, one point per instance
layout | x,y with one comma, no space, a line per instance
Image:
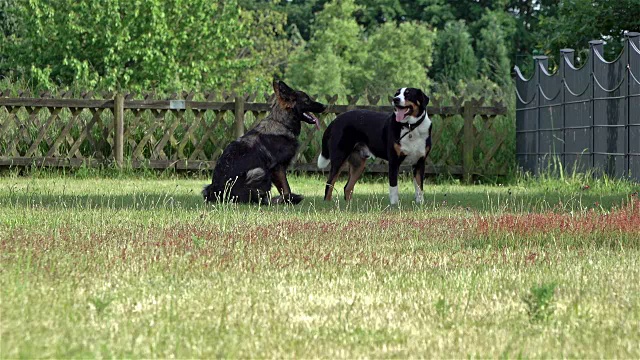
248,166
403,137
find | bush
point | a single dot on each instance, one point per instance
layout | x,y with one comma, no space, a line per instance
539,302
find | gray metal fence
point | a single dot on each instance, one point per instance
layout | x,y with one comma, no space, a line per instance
584,118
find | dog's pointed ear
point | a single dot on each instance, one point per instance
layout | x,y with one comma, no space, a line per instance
284,93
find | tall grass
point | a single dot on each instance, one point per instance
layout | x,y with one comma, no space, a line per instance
137,266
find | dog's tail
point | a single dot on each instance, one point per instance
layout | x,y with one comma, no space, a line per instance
324,157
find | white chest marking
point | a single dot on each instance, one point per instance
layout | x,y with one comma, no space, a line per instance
413,145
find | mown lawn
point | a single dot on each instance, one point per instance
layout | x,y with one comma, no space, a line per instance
139,267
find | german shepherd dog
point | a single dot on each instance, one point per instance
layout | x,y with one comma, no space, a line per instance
249,165
403,137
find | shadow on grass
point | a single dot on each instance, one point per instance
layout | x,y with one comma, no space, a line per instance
497,201
114,202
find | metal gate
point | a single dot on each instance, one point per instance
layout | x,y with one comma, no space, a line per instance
585,119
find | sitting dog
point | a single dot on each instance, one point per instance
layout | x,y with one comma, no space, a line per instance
403,137
249,165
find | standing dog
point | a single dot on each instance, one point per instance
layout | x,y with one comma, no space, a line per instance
248,166
403,137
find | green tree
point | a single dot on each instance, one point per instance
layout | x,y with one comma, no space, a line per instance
455,60
376,12
341,59
576,22
491,50
166,45
399,56
8,26
7,17
519,19
268,49
332,58
527,15
300,13
434,12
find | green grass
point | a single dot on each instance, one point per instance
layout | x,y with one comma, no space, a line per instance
107,265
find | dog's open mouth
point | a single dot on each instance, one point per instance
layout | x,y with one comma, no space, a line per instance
311,119
402,112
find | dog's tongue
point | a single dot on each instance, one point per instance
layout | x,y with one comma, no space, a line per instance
316,122
401,114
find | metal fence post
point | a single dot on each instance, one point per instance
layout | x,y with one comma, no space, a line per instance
118,128
630,36
593,46
538,61
239,113
566,55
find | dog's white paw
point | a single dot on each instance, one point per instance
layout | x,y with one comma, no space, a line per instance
419,193
393,195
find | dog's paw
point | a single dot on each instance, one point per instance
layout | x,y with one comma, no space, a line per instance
287,199
295,198
393,195
276,200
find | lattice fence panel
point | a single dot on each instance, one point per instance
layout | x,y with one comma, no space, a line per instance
163,137
41,132
216,134
19,128
189,130
447,136
494,141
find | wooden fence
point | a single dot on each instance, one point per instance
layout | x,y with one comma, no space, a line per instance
189,131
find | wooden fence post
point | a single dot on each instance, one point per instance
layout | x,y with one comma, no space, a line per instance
468,141
118,128
239,112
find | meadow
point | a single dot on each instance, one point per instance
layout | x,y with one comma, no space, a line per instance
137,266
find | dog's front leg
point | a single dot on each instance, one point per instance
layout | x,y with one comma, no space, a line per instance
418,180
394,168
279,180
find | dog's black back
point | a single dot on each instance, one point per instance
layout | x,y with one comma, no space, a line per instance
375,129
249,165
357,135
